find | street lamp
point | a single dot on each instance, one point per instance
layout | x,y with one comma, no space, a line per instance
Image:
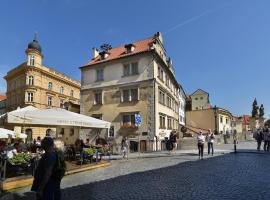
215,114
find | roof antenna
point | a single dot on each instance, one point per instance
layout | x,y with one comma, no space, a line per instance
35,36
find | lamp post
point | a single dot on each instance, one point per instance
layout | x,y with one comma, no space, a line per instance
215,114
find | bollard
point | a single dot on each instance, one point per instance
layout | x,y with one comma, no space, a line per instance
234,145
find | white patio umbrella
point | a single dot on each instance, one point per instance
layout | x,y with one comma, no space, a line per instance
5,133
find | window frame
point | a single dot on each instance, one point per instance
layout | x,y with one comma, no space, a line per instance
30,80
50,86
49,101
62,90
100,74
30,97
32,60
98,98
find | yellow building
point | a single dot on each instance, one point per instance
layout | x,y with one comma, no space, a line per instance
32,83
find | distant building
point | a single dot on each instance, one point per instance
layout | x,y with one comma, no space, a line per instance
200,100
32,83
204,116
136,79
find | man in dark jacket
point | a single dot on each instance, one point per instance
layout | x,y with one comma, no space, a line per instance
46,183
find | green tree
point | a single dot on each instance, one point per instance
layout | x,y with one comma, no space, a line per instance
255,108
261,111
267,123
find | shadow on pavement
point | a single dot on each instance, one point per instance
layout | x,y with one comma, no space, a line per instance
230,176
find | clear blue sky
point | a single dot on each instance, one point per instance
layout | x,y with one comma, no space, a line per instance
221,46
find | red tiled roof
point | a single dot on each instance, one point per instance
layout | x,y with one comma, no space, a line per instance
2,97
119,52
246,119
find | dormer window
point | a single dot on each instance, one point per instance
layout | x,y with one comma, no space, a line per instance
32,60
103,55
129,48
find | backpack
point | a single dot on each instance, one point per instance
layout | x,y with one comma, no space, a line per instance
60,166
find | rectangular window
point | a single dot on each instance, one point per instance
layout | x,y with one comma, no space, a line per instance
161,97
126,69
62,104
129,119
162,122
97,116
49,101
130,95
131,69
160,73
72,93
169,102
32,60
169,123
98,98
30,80
227,121
111,132
221,119
134,94
134,68
167,80
100,74
30,96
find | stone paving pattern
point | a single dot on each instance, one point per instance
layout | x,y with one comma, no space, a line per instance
178,176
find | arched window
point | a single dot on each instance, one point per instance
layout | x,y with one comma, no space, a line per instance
30,80
62,90
32,60
50,85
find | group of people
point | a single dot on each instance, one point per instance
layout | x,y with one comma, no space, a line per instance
262,135
12,147
201,138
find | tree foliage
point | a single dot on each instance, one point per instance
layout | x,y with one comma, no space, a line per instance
255,108
267,123
261,111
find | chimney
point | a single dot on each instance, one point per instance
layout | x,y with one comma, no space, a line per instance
95,52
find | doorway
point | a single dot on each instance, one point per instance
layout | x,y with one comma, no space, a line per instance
143,146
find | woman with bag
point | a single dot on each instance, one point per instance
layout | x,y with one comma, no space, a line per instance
210,141
201,141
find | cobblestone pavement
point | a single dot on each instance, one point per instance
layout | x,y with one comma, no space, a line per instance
225,176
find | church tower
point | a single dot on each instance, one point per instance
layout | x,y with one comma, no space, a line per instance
33,53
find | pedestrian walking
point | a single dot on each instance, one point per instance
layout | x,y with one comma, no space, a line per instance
258,135
171,143
49,172
201,141
266,136
210,142
125,147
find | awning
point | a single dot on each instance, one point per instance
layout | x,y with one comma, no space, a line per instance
54,117
5,133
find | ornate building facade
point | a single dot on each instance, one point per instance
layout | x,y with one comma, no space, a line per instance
32,83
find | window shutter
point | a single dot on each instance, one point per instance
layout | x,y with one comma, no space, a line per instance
138,94
102,98
121,96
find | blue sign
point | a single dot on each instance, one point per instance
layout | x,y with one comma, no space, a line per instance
138,119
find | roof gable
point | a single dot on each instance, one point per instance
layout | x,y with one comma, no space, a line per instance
199,92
